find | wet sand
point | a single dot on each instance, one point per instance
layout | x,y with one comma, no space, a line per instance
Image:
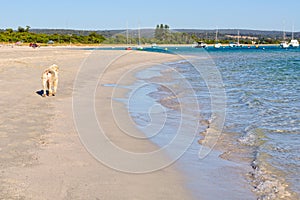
41,155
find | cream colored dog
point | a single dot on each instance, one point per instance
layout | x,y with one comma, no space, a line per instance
50,79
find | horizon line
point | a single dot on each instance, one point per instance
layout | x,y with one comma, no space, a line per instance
111,29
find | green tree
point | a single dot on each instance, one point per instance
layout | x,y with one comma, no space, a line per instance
27,28
9,30
21,29
162,33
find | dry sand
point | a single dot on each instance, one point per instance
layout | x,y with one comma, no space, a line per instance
41,155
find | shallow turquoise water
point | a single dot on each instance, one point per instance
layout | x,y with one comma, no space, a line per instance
262,117
263,89
263,110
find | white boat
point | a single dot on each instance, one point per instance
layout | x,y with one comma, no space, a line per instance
238,40
217,44
232,45
154,45
236,44
127,39
294,43
284,45
139,47
200,45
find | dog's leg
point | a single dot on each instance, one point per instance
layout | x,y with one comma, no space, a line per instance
55,87
44,87
50,87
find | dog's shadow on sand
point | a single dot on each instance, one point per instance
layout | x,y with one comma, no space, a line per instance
41,92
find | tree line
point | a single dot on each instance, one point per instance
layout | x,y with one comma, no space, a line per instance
162,35
24,35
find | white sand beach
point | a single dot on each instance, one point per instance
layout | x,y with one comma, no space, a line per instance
41,155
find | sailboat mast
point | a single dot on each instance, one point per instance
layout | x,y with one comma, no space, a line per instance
284,36
139,34
293,32
127,33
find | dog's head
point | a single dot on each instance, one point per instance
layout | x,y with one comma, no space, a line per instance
54,67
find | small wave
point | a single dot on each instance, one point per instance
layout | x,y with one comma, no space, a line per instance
252,137
266,183
182,62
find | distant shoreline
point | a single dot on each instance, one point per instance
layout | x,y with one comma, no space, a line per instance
122,45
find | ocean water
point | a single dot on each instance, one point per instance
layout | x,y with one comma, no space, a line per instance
259,148
263,109
257,154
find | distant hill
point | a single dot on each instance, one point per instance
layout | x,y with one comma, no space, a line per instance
105,33
243,32
208,34
149,33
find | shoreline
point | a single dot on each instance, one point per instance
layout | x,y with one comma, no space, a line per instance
197,171
3,45
41,154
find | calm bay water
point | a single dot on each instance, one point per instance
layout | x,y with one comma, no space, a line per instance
262,113
259,148
264,85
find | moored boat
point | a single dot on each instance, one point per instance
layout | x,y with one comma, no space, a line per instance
139,47
284,45
236,44
294,43
154,45
200,44
217,44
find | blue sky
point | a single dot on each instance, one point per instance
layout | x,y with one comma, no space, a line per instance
109,14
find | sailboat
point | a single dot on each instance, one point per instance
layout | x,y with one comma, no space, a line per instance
238,40
237,44
127,39
200,44
139,47
284,43
294,43
217,44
